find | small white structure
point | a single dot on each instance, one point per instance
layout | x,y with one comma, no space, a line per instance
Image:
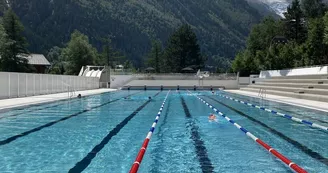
101,72
203,74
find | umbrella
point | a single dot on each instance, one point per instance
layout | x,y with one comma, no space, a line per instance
187,69
150,69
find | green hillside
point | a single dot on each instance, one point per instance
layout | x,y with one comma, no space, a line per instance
221,25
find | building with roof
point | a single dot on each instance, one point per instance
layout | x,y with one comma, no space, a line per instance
39,62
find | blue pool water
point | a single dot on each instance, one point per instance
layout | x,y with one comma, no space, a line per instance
103,133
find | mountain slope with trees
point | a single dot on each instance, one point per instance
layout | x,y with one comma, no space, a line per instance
300,39
221,25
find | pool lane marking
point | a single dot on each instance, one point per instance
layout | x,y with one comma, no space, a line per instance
296,144
84,163
142,151
201,151
11,139
39,109
306,122
284,159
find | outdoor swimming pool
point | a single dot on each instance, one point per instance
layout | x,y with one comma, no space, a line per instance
104,133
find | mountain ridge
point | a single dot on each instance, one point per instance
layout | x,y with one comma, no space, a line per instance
221,25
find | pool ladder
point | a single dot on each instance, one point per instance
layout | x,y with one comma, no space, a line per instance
262,93
71,92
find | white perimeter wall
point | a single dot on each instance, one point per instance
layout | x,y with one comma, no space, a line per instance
228,84
27,84
118,81
244,80
323,70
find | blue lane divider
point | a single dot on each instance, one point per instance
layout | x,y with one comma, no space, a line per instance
306,122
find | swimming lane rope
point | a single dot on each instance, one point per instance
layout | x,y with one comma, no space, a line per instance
284,159
137,162
306,122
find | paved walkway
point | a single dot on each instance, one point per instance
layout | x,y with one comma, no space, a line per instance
23,101
322,106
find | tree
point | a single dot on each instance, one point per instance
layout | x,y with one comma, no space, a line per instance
307,40
128,65
238,64
261,36
109,56
258,54
182,50
223,64
295,23
13,44
325,39
3,40
286,56
245,64
315,48
155,56
313,8
325,18
54,54
78,53
56,60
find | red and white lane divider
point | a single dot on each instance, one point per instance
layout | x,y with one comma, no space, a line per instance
137,162
284,159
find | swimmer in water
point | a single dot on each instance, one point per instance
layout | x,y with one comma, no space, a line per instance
149,98
212,117
79,96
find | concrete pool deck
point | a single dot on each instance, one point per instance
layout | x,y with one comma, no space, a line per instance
24,101
321,106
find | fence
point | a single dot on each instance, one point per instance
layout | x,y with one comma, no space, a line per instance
25,84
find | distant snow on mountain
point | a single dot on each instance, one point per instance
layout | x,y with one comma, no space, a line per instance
278,6
8,3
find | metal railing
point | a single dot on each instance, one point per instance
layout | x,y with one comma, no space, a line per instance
262,93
